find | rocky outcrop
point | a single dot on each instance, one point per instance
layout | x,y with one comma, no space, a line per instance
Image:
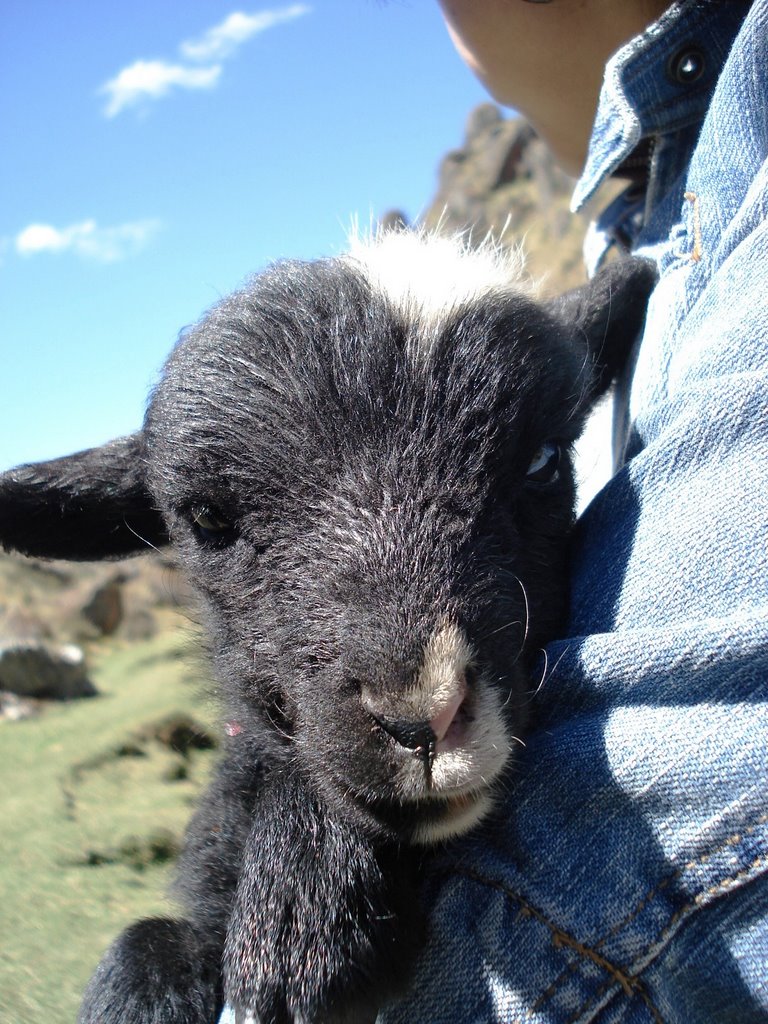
87,602
503,181
41,670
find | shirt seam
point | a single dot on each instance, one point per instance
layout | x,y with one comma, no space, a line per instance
562,939
628,979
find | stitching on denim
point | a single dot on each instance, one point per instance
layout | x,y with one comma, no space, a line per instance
630,984
698,249
550,991
562,939
732,840
723,886
547,994
636,985
593,1002
641,905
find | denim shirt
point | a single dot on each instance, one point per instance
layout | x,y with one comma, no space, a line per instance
624,878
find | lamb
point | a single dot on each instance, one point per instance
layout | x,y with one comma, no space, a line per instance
364,466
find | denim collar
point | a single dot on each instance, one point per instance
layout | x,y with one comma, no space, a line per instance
659,84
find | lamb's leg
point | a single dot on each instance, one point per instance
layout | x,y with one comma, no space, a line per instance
324,927
159,971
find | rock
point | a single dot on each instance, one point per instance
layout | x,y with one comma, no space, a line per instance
493,154
181,733
104,609
483,118
14,708
504,183
57,672
393,220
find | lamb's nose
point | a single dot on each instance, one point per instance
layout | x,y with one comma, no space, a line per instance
416,736
423,726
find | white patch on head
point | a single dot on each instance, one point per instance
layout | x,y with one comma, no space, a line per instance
426,276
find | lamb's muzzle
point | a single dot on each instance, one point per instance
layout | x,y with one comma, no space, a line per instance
426,738
415,721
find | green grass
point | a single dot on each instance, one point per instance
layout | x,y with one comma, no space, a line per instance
91,806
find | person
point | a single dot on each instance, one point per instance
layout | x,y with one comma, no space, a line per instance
625,878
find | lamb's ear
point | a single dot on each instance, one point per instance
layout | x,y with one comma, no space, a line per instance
608,313
90,505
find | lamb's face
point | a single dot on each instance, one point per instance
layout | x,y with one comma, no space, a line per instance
373,496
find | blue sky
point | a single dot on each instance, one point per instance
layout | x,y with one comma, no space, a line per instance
156,153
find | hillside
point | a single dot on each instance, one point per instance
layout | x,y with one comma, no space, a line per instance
503,181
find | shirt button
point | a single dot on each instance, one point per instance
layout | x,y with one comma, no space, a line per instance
687,66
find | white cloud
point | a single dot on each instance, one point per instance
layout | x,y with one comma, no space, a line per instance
87,239
151,79
222,40
146,80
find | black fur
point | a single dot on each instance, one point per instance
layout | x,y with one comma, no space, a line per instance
337,491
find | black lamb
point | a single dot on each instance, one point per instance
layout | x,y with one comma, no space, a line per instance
364,464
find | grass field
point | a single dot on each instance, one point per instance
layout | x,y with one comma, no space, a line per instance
93,802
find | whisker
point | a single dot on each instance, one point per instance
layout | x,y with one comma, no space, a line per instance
544,677
499,629
527,610
139,537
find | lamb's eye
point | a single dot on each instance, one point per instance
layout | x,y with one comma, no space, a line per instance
211,527
544,467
